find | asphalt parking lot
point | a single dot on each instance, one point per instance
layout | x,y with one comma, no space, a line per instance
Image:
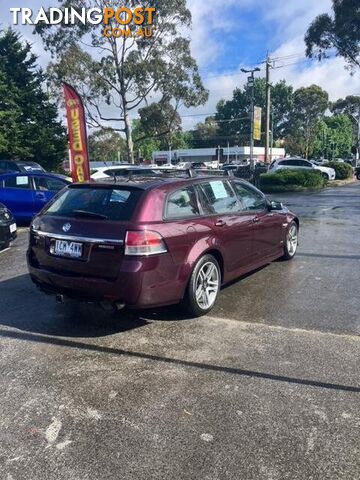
266,387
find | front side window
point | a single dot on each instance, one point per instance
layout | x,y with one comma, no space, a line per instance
20,181
250,199
48,184
304,163
182,204
218,197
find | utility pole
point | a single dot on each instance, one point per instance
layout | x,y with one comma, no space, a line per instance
357,120
251,82
268,109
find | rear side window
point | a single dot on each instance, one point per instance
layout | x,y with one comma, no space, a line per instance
96,203
182,204
21,181
218,197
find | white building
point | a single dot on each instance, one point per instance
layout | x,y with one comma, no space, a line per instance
209,155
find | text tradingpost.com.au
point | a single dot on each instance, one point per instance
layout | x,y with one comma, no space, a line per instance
116,21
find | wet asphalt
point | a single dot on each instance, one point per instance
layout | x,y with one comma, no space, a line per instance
266,387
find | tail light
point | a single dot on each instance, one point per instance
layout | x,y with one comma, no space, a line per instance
144,242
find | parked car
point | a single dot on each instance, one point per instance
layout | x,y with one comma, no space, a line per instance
194,165
357,172
25,194
157,242
299,163
8,166
8,228
107,173
230,166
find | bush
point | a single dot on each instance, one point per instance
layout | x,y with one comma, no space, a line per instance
291,181
342,170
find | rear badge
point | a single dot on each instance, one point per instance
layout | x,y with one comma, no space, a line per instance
66,227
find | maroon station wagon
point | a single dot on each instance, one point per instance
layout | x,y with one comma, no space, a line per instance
156,242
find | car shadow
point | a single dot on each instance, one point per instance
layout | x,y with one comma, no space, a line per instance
24,307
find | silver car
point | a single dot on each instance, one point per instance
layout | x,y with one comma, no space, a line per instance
299,163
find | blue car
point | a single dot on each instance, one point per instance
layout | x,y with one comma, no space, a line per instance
25,194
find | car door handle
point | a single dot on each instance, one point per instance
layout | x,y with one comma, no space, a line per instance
40,196
256,220
220,223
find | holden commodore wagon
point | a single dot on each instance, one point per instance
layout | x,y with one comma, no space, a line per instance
156,242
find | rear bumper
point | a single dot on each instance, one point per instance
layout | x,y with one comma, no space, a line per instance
141,283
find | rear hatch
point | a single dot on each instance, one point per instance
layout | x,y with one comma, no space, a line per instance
82,232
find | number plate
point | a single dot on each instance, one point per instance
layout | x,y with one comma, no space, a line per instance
13,228
63,248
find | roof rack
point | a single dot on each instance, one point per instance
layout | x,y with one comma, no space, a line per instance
170,173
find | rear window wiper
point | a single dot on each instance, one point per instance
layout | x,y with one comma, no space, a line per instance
84,213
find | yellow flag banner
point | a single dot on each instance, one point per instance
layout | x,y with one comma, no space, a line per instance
257,123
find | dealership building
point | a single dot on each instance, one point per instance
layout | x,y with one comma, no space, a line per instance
210,154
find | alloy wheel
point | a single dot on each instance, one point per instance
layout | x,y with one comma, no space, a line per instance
207,285
292,240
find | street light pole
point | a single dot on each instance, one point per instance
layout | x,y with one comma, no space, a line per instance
251,82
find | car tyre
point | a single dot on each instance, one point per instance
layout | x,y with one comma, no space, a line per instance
204,286
325,176
291,241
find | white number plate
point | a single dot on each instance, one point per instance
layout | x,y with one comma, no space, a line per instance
13,228
68,249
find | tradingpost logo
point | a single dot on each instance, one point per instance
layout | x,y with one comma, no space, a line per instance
117,22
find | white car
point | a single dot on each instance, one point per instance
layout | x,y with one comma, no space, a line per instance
106,173
299,164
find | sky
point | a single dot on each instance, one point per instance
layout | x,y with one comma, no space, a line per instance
233,34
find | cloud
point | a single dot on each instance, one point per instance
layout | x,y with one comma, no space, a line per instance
287,22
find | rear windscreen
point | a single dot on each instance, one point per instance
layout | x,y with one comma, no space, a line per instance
96,203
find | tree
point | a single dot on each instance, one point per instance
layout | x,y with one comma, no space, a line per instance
123,72
106,145
350,106
233,116
205,135
144,145
29,128
309,106
333,137
341,32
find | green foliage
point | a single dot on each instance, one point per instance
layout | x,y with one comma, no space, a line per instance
343,170
205,135
349,106
238,111
144,145
341,32
291,181
309,106
29,128
106,145
123,72
334,137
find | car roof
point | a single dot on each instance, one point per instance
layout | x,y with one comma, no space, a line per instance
147,183
28,174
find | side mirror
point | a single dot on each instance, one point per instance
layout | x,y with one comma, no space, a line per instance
276,205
